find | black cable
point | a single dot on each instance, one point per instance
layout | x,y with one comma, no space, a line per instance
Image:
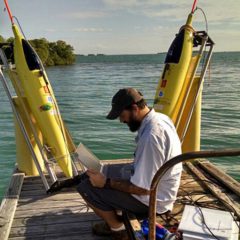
214,182
20,27
194,203
235,212
236,222
198,204
205,17
205,224
195,192
206,26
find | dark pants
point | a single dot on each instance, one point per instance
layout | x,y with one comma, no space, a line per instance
110,199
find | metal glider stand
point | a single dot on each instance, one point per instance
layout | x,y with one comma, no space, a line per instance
41,147
23,130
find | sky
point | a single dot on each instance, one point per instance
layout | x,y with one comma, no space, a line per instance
122,26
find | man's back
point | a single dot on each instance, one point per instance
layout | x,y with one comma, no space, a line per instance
157,142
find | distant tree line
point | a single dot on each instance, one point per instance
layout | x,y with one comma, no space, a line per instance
51,53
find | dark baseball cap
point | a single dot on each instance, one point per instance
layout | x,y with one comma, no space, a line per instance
123,98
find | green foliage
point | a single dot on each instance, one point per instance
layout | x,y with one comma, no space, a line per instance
41,47
60,53
10,40
54,53
5,45
2,40
50,53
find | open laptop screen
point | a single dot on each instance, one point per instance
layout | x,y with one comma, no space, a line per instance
87,158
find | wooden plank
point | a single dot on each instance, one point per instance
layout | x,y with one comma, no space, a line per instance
39,187
191,185
221,176
33,193
50,197
83,237
182,191
70,236
60,211
64,215
198,198
216,191
32,187
186,175
47,219
62,229
51,205
9,204
36,191
133,227
42,193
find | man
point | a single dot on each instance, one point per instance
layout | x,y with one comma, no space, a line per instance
157,142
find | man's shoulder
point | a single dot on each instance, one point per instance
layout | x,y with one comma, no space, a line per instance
163,117
159,121
163,121
161,128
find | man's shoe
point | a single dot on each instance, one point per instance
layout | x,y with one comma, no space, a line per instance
101,229
120,235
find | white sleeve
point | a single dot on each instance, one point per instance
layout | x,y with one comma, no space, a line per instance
150,156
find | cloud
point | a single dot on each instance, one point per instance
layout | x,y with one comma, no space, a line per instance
91,29
139,5
121,4
150,8
50,30
158,28
168,14
86,14
230,33
176,10
133,3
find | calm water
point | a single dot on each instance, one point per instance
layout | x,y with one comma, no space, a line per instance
84,93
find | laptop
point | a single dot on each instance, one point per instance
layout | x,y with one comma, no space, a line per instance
91,161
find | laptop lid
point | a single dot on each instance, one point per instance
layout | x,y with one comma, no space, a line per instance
87,158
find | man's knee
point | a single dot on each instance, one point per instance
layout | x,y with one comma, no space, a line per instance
84,187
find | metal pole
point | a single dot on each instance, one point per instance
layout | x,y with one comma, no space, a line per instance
24,132
74,167
204,40
199,89
169,164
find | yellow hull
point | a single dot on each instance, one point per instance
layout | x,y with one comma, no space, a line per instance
185,97
25,161
42,102
177,89
191,141
172,80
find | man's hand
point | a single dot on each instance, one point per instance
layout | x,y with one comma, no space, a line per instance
97,179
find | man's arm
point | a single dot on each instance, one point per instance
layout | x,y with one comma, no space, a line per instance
127,186
99,180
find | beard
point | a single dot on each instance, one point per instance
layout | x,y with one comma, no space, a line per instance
134,125
132,122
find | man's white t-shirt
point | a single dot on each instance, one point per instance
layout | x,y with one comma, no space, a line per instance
157,142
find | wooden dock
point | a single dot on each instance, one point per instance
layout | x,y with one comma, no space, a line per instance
27,212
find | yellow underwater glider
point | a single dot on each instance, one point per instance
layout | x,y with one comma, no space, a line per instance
179,90
40,99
